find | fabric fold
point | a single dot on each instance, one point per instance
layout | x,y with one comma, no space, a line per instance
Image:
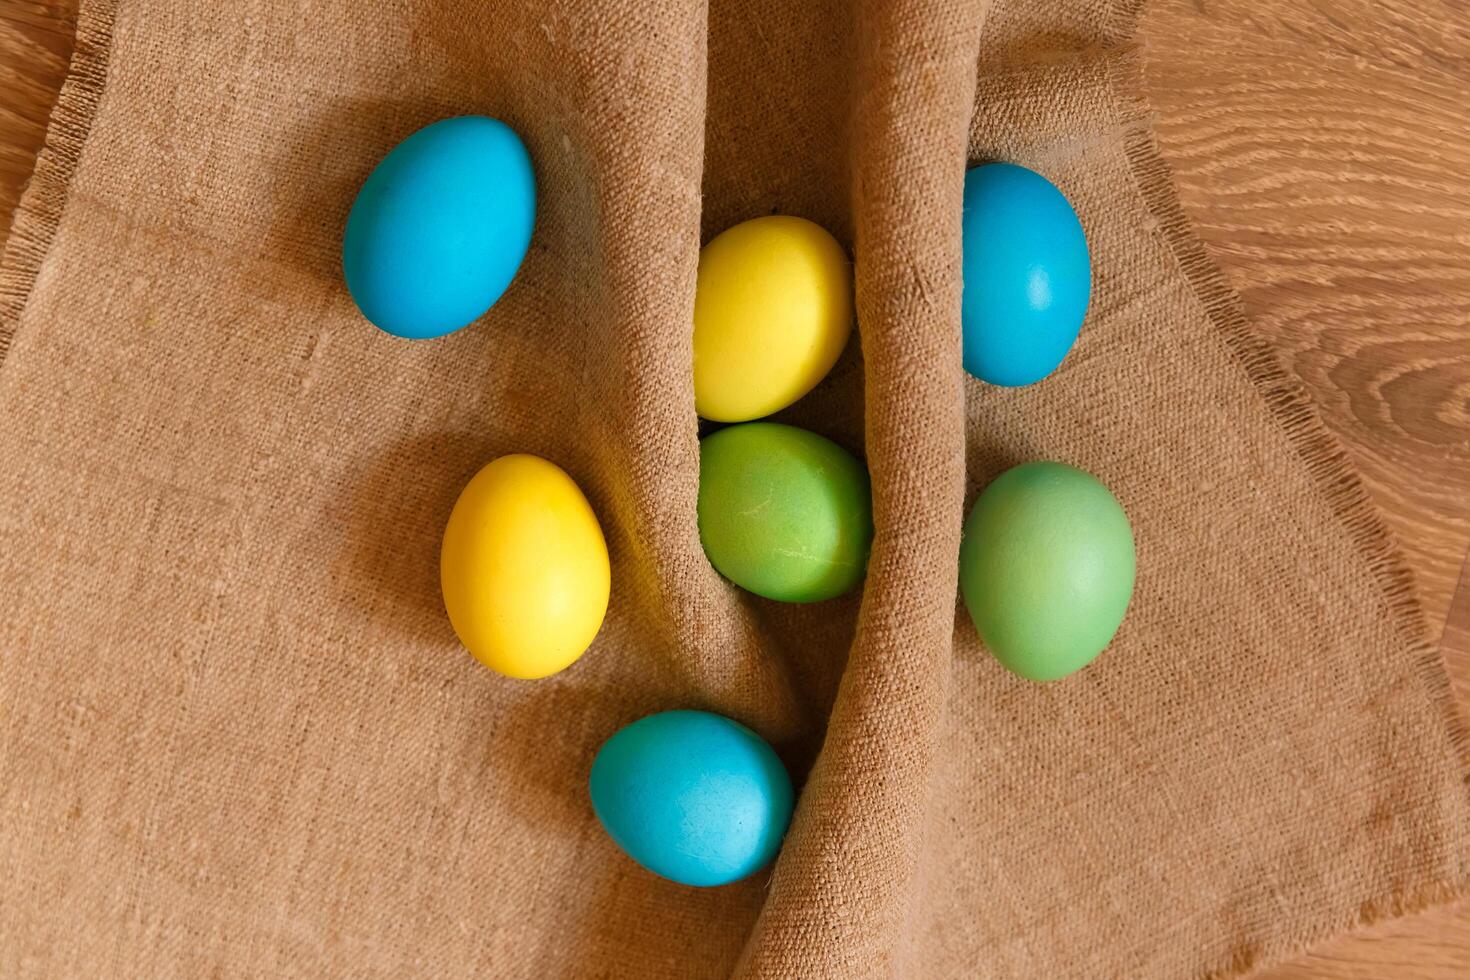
848,868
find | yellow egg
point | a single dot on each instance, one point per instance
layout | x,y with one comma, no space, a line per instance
524,568
772,311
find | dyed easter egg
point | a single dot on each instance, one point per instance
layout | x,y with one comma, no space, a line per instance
694,797
1046,568
524,568
440,227
1027,275
772,312
784,512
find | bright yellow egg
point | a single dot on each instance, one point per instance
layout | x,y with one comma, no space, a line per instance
524,568
772,312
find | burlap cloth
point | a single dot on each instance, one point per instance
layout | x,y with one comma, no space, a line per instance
239,738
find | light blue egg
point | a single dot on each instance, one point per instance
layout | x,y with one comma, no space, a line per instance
440,227
1027,275
692,796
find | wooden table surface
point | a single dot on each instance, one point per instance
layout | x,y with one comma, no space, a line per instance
1323,151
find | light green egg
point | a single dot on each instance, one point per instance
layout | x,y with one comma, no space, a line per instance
1046,568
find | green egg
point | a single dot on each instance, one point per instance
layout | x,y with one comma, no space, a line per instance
1046,568
783,512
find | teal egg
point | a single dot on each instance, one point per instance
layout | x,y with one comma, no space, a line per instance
1046,568
1027,275
783,512
692,796
440,227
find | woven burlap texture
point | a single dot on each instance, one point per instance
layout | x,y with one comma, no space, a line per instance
239,738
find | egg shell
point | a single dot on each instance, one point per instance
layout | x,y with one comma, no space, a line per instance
783,512
1046,568
692,796
1027,275
524,568
772,312
440,227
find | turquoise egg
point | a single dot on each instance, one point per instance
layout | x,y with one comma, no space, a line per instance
1027,275
692,796
1046,568
440,227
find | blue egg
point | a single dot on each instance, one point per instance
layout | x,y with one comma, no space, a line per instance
1027,275
692,796
440,227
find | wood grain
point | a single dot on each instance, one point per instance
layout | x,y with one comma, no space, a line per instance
35,45
1323,152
